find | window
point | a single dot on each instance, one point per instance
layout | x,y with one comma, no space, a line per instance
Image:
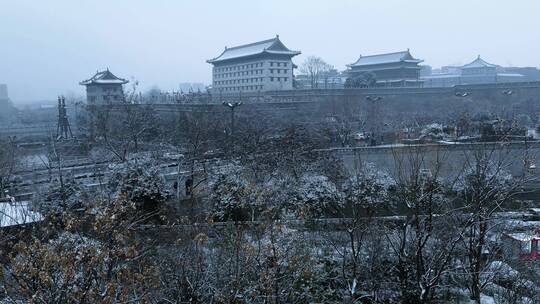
271,64
271,78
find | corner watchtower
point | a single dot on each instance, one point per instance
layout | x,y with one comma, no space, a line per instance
104,88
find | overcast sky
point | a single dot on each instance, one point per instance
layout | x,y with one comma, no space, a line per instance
47,47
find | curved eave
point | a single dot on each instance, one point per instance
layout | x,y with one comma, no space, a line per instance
414,61
383,63
93,82
289,53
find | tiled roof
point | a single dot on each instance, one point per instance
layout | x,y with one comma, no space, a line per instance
479,63
104,77
270,46
404,56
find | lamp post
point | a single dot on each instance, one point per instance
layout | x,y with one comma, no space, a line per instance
461,95
232,106
374,100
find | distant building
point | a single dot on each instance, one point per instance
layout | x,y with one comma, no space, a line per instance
187,87
477,72
398,69
260,66
4,98
3,92
425,70
5,103
104,88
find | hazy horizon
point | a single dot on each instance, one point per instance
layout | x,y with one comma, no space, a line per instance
48,47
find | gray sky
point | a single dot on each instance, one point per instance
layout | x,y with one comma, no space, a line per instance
47,47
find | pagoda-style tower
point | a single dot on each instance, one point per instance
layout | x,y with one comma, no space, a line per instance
104,88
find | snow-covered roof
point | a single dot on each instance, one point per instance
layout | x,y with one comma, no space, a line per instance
404,56
510,75
523,236
270,46
104,77
17,213
478,63
440,76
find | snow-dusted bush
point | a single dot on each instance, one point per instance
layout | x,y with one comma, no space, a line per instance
368,189
230,195
141,184
314,196
432,131
67,196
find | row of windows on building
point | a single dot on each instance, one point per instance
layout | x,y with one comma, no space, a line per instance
242,88
226,75
254,72
249,66
250,80
105,98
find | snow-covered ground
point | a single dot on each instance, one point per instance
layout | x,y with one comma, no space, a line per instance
17,213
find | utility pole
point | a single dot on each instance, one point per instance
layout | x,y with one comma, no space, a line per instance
374,121
232,106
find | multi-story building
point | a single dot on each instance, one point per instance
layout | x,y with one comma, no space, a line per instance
104,88
260,66
476,72
399,69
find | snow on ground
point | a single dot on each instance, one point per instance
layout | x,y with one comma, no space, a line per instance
17,213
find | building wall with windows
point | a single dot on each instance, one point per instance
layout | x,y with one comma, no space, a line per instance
399,69
256,67
104,88
104,94
257,74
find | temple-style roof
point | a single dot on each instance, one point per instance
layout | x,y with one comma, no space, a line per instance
404,56
104,77
270,46
479,63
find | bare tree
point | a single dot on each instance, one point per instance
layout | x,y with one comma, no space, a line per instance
486,188
315,68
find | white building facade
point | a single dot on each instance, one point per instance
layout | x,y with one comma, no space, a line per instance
256,67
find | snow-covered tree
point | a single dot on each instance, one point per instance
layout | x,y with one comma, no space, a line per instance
485,187
140,183
230,195
315,196
95,258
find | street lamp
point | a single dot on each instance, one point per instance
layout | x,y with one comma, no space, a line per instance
508,92
374,100
232,106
